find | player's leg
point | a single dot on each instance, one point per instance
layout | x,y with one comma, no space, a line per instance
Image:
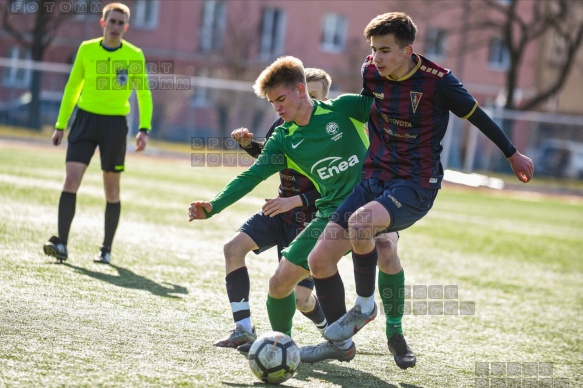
331,246
257,234
74,172
238,288
80,149
293,267
281,300
307,303
56,246
112,147
111,185
363,224
391,284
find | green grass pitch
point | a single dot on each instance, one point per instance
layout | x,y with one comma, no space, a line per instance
515,260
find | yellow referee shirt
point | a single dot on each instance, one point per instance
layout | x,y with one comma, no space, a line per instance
102,81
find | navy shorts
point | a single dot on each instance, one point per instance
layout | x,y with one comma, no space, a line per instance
90,130
405,201
268,232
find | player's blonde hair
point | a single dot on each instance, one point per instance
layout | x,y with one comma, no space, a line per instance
286,71
314,74
116,7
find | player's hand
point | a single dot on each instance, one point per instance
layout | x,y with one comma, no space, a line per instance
522,166
195,211
57,137
279,205
141,141
242,136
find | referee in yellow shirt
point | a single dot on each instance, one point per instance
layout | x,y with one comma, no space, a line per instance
105,72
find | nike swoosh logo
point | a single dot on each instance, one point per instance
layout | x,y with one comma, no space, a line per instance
294,146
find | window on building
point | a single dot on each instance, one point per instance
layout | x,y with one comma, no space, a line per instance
333,33
213,25
272,33
498,57
435,43
14,75
145,14
202,96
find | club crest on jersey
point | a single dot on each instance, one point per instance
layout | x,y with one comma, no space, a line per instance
415,98
333,129
122,77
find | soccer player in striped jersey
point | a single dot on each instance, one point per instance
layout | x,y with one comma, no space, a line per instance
323,140
277,224
402,174
105,72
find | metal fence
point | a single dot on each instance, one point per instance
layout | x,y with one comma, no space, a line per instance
188,107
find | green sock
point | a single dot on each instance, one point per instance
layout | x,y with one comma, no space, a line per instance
281,312
392,290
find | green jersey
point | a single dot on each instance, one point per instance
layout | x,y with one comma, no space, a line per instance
102,81
329,150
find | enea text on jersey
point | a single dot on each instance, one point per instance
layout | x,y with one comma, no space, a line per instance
335,165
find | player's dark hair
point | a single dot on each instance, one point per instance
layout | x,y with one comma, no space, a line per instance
397,23
286,71
314,74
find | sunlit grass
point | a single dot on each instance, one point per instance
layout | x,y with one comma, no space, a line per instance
150,319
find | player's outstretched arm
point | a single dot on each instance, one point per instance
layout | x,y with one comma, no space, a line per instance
196,212
275,206
522,166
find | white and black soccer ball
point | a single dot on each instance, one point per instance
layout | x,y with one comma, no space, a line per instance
274,357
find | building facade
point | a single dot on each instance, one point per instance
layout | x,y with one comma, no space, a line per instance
204,54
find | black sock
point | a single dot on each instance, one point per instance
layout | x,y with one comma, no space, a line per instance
331,295
317,316
112,212
365,272
67,204
238,291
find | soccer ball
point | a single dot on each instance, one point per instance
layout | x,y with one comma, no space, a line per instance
274,357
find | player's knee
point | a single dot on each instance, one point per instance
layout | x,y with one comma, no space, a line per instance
277,287
317,263
359,230
233,252
72,183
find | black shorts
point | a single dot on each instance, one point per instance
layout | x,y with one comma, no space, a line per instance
405,201
268,232
90,130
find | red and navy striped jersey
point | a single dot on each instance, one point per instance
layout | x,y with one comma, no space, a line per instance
408,121
291,183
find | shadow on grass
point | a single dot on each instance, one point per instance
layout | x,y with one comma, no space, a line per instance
332,372
129,279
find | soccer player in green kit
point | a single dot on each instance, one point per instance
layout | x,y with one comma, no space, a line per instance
324,140
105,72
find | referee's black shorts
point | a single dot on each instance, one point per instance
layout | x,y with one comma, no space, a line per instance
90,130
